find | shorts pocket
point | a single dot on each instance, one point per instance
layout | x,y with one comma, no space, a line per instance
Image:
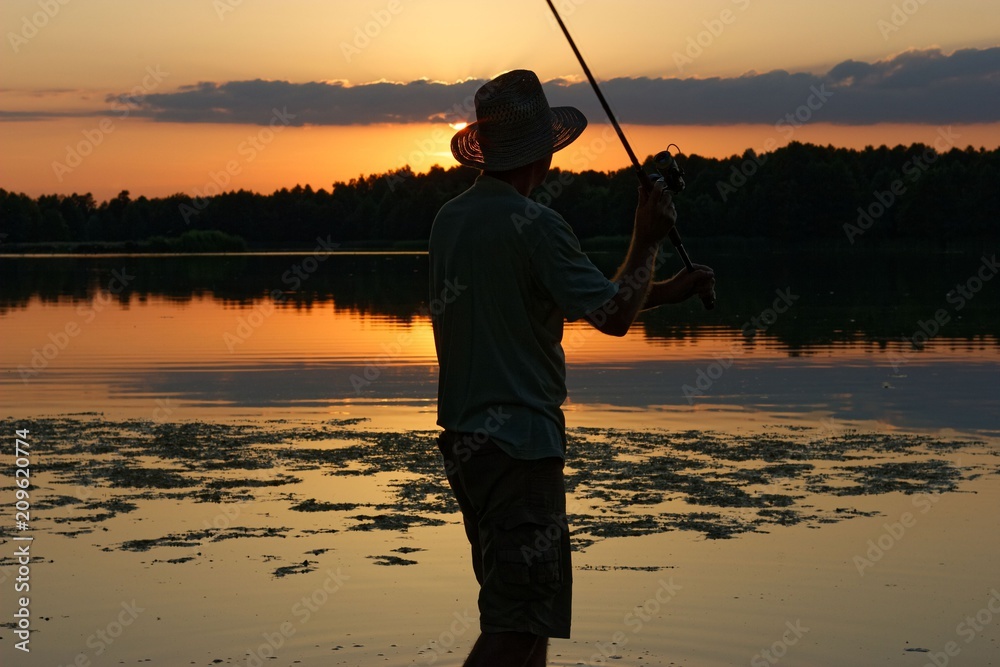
529,554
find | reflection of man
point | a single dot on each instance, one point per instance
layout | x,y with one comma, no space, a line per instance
502,376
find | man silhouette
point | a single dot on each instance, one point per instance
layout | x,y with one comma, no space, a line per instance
509,272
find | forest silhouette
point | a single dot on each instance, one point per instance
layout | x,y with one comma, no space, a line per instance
800,191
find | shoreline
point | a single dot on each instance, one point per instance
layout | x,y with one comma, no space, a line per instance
591,244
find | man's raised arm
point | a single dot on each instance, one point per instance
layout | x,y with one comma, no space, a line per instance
655,216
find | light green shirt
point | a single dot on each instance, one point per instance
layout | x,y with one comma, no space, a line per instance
504,274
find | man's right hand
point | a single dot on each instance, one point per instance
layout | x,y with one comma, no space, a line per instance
655,215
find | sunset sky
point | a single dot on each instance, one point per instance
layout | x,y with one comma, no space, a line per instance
165,96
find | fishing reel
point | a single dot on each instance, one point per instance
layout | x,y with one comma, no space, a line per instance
668,169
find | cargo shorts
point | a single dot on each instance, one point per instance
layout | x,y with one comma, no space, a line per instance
514,512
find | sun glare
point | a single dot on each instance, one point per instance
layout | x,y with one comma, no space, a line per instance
458,126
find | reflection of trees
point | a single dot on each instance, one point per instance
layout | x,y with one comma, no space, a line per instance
843,297
394,285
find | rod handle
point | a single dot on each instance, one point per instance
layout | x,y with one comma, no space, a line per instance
707,301
675,239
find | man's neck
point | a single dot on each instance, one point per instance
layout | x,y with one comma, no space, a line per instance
526,178
521,179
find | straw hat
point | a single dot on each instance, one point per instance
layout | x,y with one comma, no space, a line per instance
514,125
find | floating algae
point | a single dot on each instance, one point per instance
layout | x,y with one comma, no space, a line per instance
408,550
934,476
299,568
392,560
57,501
281,480
95,518
313,505
622,482
195,538
235,532
165,541
400,522
635,568
116,505
129,477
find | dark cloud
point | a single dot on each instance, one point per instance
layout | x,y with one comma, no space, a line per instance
926,86
913,87
313,103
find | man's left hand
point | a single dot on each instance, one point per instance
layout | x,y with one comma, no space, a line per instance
682,286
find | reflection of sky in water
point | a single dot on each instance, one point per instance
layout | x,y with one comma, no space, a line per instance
159,356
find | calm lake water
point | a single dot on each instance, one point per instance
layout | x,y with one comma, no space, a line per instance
811,335
206,394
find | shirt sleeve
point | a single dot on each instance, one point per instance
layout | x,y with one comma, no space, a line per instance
577,286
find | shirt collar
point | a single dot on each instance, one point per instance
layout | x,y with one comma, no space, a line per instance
493,184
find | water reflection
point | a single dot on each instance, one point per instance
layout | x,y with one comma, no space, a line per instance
828,299
172,340
179,337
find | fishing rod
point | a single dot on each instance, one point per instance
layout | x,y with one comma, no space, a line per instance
664,162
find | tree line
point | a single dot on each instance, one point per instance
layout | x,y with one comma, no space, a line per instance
799,191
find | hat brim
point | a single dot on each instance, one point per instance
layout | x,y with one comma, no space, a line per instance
568,123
